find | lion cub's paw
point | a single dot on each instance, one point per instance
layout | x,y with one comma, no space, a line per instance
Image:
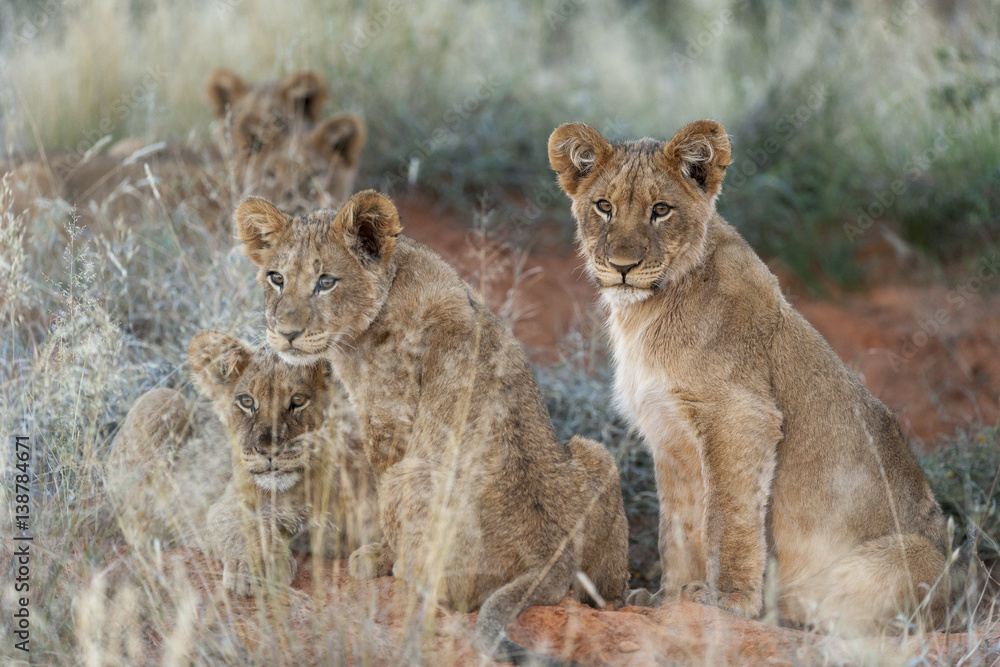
737,602
640,597
236,577
287,567
241,579
370,561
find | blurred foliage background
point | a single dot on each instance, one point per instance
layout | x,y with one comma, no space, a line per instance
847,116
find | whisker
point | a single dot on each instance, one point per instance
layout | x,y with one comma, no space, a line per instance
582,268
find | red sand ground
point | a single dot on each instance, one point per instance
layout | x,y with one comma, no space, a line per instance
931,353
676,633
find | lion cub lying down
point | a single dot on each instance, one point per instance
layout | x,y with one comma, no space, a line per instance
480,504
249,475
272,135
764,442
277,139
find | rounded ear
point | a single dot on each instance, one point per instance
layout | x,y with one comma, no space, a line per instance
217,361
701,150
368,225
576,150
305,93
223,88
259,225
343,135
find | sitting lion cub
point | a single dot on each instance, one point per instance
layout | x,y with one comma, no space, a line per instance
479,503
764,442
250,474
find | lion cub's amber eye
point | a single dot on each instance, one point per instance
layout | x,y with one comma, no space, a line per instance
245,401
298,400
325,282
276,279
660,210
604,206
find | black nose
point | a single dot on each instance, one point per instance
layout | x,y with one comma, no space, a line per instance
290,335
623,268
263,445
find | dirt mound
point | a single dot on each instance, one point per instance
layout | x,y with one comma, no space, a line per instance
382,622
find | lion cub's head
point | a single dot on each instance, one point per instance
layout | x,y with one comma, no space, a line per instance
281,145
266,404
325,275
642,207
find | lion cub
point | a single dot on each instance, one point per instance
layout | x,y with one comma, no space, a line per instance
250,475
277,139
479,503
272,137
764,442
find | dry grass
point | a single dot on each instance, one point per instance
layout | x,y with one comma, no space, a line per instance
90,320
72,365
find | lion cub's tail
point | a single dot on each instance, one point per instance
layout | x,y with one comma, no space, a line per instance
506,603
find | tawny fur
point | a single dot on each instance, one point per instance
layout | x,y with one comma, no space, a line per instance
169,462
480,505
272,141
246,484
276,135
114,185
764,442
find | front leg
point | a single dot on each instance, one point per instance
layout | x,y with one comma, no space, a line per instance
739,452
386,414
371,561
681,491
251,548
249,568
